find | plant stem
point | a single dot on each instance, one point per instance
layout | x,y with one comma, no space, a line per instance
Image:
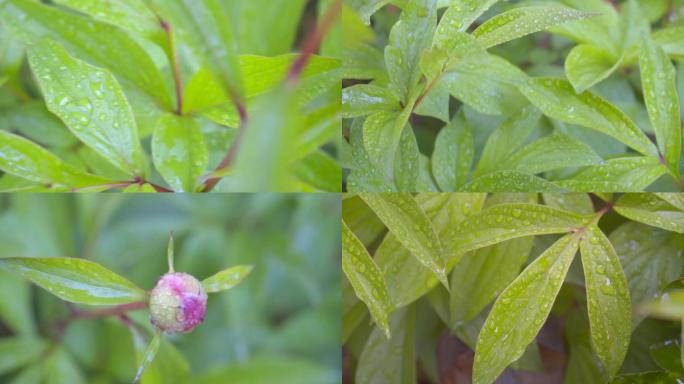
111,311
176,67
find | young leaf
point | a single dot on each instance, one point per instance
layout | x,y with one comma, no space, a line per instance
407,162
552,152
409,37
226,279
16,352
90,102
366,8
658,79
629,174
453,155
30,161
523,21
587,65
179,152
558,100
408,222
508,221
366,278
521,309
76,280
149,355
364,99
460,15
649,209
393,360
510,181
608,300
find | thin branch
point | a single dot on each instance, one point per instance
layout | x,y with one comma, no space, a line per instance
175,64
111,311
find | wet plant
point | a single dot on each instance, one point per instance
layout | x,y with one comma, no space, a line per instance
169,96
442,287
178,302
491,96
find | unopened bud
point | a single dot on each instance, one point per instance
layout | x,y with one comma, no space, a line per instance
178,303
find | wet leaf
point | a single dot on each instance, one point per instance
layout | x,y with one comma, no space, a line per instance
508,221
650,209
408,222
523,21
146,359
61,368
179,152
453,155
629,174
226,279
461,14
390,360
366,8
658,79
25,159
558,100
574,202
521,310
608,299
76,280
91,103
364,99
587,65
510,181
365,277
550,153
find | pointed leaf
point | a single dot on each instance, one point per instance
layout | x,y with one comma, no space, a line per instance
550,153
608,300
179,152
25,159
16,352
148,356
523,21
558,100
364,99
90,102
226,279
76,280
658,78
460,15
365,278
510,181
521,310
403,216
649,209
629,174
453,155
508,221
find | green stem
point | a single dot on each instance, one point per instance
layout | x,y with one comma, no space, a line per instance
176,67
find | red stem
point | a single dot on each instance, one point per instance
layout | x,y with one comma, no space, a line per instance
118,310
176,67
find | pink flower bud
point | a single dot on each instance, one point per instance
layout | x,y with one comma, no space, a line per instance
178,303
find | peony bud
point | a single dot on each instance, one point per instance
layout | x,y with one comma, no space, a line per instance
178,303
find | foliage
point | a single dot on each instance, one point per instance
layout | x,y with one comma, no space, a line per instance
517,294
465,95
169,95
281,321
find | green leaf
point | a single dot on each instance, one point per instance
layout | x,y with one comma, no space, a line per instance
366,8
408,222
649,209
179,152
390,360
675,199
91,103
670,39
364,99
382,133
226,279
37,124
629,174
146,359
365,277
650,257
275,32
608,300
133,15
98,43
264,370
587,65
521,309
510,181
365,175
523,21
409,37
558,100
166,366
320,171
508,221
550,153
487,83
30,161
506,139
481,276
407,279
574,202
16,352
658,78
15,304
453,155
461,14
76,280
407,162
669,306
583,365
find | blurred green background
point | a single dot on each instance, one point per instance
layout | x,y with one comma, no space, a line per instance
281,325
